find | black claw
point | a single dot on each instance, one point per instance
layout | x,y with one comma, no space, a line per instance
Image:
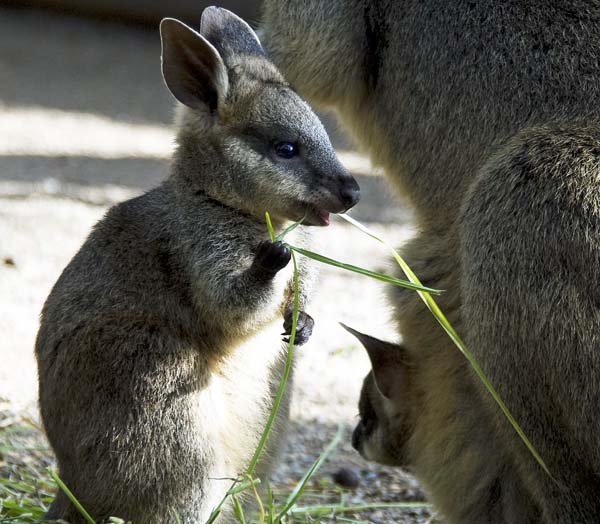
304,327
271,257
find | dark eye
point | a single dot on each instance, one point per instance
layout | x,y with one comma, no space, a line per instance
286,150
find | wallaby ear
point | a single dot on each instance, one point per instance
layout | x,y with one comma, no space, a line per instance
390,370
192,68
229,33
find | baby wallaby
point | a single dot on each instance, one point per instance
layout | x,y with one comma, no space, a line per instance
485,116
387,404
160,348
400,426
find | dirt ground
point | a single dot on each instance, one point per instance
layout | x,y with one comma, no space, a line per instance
86,122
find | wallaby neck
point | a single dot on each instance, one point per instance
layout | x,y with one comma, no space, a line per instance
197,169
191,201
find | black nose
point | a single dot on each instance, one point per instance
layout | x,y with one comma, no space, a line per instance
350,193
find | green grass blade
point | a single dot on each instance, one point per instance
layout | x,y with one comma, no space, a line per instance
71,497
326,509
272,235
297,491
349,267
443,321
270,504
237,487
237,510
286,373
217,511
23,487
214,514
21,509
361,271
289,229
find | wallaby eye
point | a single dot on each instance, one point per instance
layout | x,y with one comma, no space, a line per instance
286,150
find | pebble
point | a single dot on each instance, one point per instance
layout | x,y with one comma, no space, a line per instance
346,477
9,261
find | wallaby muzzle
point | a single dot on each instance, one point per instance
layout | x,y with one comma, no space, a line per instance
350,193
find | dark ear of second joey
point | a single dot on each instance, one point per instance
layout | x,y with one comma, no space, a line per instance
387,361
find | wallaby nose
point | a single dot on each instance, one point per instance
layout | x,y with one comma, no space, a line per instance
350,193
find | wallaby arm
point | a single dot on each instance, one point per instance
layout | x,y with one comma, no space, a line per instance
234,272
237,279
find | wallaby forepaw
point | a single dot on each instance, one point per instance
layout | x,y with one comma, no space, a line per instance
271,257
304,327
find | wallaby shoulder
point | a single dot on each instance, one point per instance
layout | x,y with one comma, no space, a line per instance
436,85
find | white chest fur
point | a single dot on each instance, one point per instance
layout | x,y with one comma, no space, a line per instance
237,403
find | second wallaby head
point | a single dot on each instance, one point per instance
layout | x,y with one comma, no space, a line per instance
386,403
246,138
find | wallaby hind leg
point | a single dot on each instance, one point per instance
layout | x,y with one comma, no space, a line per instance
530,256
148,464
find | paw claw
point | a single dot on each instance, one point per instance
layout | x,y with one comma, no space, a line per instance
304,327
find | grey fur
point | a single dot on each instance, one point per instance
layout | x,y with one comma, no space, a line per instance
159,349
485,117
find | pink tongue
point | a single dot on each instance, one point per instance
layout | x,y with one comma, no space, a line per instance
324,216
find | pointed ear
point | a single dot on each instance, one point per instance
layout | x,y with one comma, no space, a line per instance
192,68
390,370
229,33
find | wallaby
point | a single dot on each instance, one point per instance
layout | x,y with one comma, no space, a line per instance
400,425
159,349
485,116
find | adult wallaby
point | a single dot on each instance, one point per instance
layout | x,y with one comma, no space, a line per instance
485,117
160,348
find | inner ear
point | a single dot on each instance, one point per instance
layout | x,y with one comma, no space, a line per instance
390,374
192,68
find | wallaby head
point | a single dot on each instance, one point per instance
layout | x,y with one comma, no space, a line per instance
386,399
246,138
